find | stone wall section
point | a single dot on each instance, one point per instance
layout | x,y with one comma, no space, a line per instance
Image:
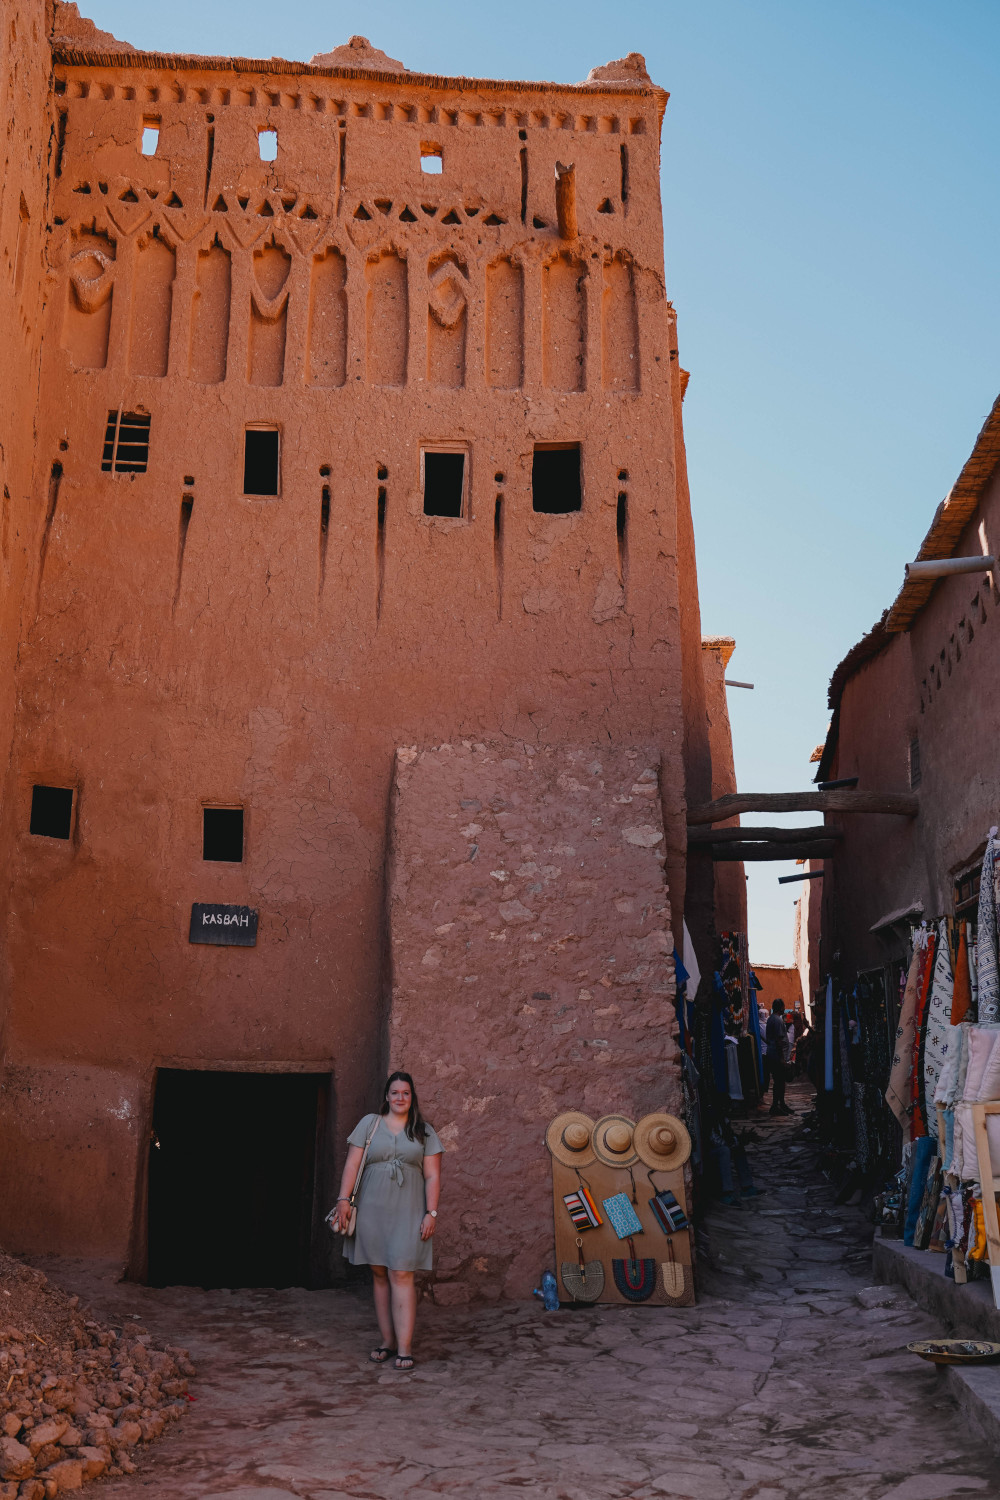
532,972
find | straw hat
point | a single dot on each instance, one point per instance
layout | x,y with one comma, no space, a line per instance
613,1141
569,1138
662,1142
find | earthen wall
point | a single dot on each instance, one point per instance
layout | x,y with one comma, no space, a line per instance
189,644
922,714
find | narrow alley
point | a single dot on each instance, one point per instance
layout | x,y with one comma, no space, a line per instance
779,1384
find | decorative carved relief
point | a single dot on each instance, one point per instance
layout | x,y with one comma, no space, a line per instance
326,362
210,317
505,324
89,293
152,301
564,323
387,319
447,320
619,327
268,314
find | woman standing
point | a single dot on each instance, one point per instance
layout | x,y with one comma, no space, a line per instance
397,1210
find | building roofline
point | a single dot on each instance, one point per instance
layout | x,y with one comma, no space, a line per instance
283,67
950,520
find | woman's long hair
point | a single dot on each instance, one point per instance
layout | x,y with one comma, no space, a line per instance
416,1129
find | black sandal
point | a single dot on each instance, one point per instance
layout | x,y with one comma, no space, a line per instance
380,1355
405,1363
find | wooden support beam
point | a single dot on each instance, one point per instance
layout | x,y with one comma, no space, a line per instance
814,849
899,804
701,833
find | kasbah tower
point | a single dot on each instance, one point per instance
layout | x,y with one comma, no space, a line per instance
348,578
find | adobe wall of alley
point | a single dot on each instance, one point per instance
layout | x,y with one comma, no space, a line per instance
932,686
193,645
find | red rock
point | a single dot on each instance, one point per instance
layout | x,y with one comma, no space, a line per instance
47,1432
11,1424
94,1460
32,1489
16,1461
126,1435
68,1475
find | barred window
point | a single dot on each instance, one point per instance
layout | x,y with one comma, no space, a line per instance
126,443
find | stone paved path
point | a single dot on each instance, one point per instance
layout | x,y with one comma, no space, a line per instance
779,1384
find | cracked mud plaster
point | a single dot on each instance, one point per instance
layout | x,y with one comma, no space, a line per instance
516,998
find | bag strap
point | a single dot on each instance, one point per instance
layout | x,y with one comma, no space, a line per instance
364,1158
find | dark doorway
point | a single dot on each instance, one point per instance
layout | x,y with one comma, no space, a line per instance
231,1169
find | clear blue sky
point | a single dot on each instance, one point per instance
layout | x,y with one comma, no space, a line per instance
832,241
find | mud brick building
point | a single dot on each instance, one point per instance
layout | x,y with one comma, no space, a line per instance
915,712
350,612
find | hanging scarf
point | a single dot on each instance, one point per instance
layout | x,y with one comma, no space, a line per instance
937,1033
961,1000
987,957
828,1037
918,1117
898,1095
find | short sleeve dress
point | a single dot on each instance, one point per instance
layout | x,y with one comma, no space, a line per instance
391,1202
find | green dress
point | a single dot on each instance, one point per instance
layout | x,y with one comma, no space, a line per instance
391,1202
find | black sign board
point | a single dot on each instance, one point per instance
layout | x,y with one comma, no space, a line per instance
229,926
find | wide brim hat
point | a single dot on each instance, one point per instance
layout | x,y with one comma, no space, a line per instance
614,1141
662,1142
563,1134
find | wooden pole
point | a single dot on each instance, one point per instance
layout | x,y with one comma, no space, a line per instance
814,849
899,804
700,833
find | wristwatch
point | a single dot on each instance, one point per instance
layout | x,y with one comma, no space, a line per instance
433,1212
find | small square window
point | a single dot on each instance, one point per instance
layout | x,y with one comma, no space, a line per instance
260,461
555,480
914,764
444,483
126,443
431,159
51,811
150,137
222,834
267,144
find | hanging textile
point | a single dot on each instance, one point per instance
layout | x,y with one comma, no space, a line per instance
898,1095
937,1033
917,1114
961,999
988,961
828,1038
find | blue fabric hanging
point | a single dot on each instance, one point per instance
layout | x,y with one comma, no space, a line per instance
828,1037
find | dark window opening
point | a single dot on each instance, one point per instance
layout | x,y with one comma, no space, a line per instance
555,480
51,811
914,764
444,482
222,836
232,1167
967,893
126,443
260,461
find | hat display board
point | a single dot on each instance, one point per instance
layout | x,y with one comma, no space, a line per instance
570,1139
674,1277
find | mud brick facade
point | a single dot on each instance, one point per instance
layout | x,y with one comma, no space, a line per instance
344,486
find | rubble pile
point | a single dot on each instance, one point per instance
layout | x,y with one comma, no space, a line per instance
75,1397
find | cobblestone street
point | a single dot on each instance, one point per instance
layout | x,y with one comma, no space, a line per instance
779,1384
